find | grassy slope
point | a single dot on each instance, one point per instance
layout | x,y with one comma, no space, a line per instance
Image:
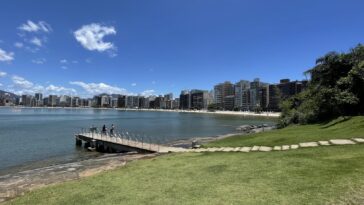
339,128
306,176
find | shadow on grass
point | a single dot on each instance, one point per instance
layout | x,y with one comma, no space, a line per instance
339,120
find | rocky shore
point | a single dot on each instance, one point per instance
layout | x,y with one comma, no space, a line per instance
17,184
241,130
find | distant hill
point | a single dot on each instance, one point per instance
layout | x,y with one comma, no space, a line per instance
12,95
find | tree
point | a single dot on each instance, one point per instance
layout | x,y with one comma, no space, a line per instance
335,89
212,107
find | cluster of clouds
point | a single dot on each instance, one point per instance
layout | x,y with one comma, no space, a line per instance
34,36
97,88
6,56
22,86
30,26
19,85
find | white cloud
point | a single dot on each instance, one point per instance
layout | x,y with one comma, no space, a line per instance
60,89
1,85
91,37
33,35
22,86
2,74
6,56
98,88
32,50
64,67
21,82
18,44
148,93
133,84
63,61
36,41
31,26
39,61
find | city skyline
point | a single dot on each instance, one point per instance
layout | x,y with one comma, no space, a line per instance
160,47
244,95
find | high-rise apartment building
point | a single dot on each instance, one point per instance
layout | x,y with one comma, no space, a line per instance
185,100
221,91
38,99
240,91
199,99
52,100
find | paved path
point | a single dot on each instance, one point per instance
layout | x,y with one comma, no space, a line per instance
256,148
276,148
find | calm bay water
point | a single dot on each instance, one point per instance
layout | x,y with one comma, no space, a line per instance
30,136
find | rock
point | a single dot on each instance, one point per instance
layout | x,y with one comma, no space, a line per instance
265,149
309,144
277,148
324,143
341,142
213,149
295,146
359,140
255,148
228,149
285,147
245,149
237,149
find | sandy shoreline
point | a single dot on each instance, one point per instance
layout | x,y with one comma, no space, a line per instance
240,113
237,113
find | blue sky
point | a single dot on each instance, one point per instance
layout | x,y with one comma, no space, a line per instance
160,46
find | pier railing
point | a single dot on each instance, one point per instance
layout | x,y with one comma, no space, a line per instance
137,140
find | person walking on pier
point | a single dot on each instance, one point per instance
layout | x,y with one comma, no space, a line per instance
112,131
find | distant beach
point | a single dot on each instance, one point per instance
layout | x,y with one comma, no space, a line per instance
241,113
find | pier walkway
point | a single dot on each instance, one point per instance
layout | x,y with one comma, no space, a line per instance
120,143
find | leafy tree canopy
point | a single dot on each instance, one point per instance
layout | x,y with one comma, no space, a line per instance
336,88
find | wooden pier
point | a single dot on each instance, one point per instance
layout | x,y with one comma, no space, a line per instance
104,142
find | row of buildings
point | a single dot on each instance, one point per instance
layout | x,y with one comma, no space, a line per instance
243,95
255,95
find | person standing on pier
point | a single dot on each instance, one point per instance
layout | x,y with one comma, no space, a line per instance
104,129
112,130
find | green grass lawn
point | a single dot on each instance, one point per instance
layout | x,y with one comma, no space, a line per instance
321,175
305,176
340,128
